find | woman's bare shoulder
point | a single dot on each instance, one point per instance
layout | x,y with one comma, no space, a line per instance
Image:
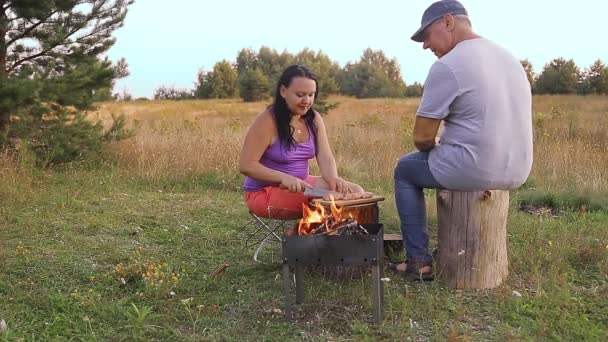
264,121
318,120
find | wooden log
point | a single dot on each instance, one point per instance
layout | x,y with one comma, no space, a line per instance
393,245
472,238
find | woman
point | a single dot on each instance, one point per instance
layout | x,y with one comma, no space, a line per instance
279,144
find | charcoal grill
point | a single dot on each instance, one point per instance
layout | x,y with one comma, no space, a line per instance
335,250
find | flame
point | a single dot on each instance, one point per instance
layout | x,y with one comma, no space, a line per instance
311,217
318,215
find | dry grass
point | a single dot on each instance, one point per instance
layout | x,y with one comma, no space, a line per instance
16,174
571,143
181,137
367,137
8,167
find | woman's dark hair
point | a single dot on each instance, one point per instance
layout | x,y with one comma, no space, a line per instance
280,111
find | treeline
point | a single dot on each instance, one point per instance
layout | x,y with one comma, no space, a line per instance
254,74
561,76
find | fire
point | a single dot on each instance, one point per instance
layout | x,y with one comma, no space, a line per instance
318,216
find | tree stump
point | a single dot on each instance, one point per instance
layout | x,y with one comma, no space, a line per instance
472,238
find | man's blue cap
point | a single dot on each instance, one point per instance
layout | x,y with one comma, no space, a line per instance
435,11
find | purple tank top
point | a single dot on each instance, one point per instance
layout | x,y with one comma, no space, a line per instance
292,161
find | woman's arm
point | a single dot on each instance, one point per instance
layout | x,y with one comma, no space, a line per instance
325,158
259,137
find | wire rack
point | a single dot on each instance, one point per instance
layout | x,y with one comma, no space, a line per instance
265,232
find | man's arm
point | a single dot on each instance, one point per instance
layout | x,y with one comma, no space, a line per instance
425,131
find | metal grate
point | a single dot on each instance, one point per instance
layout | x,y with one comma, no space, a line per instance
265,233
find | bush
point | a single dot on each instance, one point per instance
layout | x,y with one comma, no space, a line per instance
118,130
172,93
61,136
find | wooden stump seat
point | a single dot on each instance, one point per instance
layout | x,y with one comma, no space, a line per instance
472,246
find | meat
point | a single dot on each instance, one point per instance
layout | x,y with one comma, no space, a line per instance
358,195
349,196
336,197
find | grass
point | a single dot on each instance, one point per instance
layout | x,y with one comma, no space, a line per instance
122,249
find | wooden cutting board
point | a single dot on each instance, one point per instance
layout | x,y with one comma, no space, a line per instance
346,203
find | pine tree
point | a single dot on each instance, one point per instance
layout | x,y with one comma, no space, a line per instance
596,76
560,76
49,59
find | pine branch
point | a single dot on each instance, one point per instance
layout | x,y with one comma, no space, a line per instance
31,28
106,19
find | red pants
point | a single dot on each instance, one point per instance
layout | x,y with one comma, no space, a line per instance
272,201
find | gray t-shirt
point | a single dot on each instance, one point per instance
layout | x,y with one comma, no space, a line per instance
483,95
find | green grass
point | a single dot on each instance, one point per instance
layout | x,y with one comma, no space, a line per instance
569,201
84,251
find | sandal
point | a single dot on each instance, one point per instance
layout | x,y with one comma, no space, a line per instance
412,270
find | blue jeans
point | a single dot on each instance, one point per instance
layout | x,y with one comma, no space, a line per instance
412,175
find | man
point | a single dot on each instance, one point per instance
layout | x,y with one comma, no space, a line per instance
481,93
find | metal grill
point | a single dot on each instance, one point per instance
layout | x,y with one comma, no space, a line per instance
360,249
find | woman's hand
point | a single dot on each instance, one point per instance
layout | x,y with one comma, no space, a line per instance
341,185
293,184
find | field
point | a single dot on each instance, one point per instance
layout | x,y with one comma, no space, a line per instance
121,248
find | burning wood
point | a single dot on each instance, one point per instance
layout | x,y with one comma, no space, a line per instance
348,227
334,221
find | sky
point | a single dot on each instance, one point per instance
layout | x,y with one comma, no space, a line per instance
166,43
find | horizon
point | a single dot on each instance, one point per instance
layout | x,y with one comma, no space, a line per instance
186,49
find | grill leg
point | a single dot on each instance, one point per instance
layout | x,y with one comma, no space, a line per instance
287,290
377,293
299,285
381,270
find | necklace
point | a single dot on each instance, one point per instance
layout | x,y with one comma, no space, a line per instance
298,130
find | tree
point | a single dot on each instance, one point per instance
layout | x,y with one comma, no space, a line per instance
326,71
529,72
221,83
269,63
49,59
595,79
262,69
414,90
204,84
245,61
373,76
253,85
266,60
559,77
